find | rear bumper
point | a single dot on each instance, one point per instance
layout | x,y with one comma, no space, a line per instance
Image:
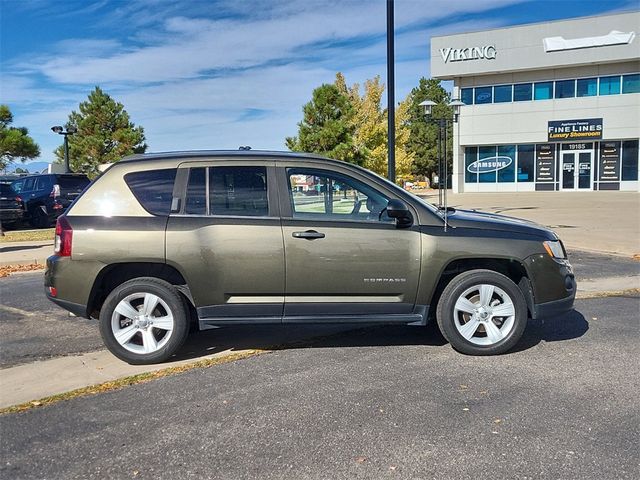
77,309
11,215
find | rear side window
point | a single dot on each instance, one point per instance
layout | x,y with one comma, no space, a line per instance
153,189
233,191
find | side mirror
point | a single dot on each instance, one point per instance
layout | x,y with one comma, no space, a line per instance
398,209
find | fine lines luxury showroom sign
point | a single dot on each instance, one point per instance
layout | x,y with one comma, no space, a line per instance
566,130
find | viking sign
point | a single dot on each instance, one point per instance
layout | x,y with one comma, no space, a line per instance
490,164
487,52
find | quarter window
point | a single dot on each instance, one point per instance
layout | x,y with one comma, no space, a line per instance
153,189
317,194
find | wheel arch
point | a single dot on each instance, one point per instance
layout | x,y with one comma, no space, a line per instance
116,274
512,268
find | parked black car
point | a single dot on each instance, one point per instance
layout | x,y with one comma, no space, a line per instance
47,196
11,208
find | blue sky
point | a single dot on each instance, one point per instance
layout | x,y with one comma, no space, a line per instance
217,74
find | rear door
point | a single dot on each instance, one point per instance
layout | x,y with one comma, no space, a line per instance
225,237
345,259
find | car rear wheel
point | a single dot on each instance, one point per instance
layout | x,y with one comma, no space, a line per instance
482,312
144,321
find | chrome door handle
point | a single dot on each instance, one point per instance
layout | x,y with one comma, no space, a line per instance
309,235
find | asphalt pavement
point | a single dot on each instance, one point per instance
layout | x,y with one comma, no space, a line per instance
381,402
33,328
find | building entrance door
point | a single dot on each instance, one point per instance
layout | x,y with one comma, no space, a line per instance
577,170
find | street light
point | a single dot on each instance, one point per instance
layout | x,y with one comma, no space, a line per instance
61,131
443,122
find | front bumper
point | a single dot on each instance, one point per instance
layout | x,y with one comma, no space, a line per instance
556,307
554,285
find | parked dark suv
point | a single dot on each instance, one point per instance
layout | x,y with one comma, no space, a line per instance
246,238
11,208
47,196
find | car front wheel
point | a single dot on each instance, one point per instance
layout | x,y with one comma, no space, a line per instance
482,312
144,321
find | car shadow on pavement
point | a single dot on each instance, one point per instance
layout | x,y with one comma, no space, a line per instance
286,337
22,247
567,326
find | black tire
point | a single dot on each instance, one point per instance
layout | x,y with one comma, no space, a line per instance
39,218
450,321
170,300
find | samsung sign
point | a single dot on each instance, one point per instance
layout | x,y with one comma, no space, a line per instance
487,52
490,164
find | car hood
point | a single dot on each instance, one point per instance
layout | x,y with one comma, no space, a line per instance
495,222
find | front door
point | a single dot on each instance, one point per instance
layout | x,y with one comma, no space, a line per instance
577,170
345,259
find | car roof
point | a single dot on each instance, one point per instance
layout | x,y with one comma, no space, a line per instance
208,154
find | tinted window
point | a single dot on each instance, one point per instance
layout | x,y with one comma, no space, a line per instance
508,173
631,83
196,199
28,184
467,96
18,185
6,190
482,95
470,156
522,92
587,87
238,191
69,183
565,89
153,189
502,93
630,160
543,91
610,85
525,163
43,183
317,194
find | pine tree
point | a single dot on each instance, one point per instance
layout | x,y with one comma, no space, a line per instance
105,134
326,127
423,136
15,142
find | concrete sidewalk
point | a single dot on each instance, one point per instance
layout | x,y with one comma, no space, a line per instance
23,253
33,381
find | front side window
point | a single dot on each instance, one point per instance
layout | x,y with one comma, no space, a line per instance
610,85
587,87
543,91
153,189
322,195
565,89
522,92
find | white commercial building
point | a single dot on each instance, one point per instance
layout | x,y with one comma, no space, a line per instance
548,106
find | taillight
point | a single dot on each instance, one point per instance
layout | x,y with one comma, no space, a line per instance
55,192
19,199
64,237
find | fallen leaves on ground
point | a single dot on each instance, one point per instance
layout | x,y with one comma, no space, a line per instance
6,270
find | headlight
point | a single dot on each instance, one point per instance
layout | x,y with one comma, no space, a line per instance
555,249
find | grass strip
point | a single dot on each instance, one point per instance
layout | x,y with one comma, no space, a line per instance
130,380
28,235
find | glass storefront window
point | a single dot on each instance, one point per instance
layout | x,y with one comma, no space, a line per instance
525,163
508,173
470,156
610,85
587,87
565,89
631,83
522,92
482,95
630,160
543,90
466,95
486,152
502,94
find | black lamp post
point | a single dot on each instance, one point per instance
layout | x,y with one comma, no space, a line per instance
69,131
443,170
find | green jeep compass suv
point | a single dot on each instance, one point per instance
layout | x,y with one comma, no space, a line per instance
244,237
